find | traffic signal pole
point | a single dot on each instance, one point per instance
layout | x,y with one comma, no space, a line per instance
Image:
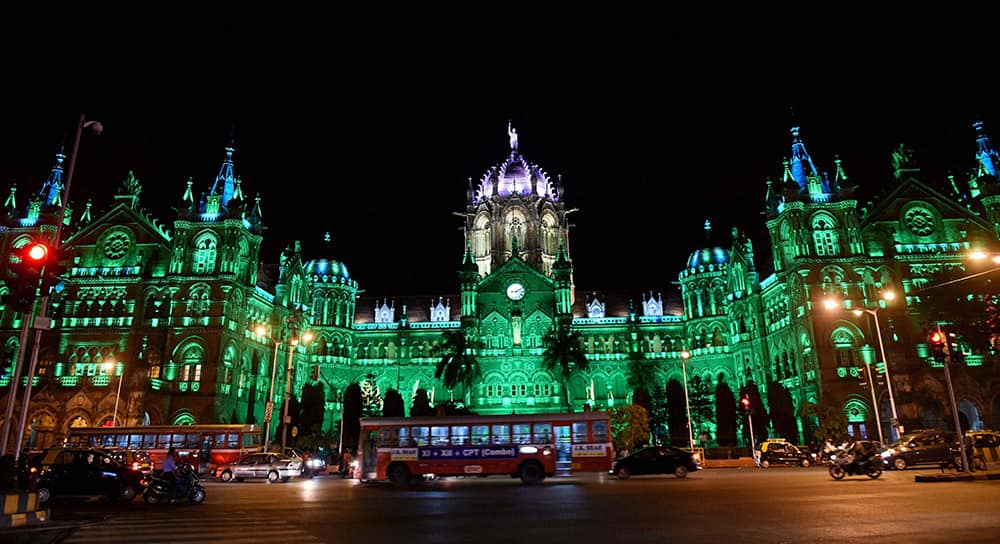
951,396
15,379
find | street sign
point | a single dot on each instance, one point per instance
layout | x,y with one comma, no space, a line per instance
268,411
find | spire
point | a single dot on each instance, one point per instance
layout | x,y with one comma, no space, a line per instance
708,231
188,193
561,260
255,216
225,181
129,190
85,218
11,203
514,253
238,190
801,163
51,193
986,155
840,178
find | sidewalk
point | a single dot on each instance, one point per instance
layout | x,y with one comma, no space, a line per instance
953,476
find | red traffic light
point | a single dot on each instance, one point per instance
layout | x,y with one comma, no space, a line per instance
937,337
746,402
37,252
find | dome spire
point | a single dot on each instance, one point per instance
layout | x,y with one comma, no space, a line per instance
51,193
986,155
225,180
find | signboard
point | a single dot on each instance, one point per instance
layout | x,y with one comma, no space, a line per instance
490,452
589,450
403,454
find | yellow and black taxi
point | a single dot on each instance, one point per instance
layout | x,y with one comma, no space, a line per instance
781,452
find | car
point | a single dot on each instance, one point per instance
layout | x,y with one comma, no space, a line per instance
134,459
656,460
919,448
273,466
79,472
783,453
312,464
983,439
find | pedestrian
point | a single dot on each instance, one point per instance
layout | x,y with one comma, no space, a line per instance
346,462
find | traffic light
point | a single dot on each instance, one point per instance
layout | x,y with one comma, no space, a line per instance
745,402
54,269
955,350
24,270
936,340
863,378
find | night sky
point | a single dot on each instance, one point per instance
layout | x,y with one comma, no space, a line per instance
378,151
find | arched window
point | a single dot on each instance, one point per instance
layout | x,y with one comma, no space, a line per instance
184,419
191,360
204,255
845,346
825,235
199,300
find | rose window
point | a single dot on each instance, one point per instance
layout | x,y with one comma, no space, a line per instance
920,221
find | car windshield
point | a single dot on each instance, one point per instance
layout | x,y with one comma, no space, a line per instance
903,440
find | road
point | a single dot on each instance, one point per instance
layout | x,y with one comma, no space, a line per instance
720,505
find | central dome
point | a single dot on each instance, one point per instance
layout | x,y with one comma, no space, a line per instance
514,176
322,268
708,256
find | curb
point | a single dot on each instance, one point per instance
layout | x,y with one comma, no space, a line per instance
956,477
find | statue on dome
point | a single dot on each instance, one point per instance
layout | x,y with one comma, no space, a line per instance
512,134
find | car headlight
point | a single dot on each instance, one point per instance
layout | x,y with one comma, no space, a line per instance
886,454
315,463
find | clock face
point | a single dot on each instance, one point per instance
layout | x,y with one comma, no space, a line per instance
515,291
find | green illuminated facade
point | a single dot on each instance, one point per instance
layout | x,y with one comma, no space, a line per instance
175,307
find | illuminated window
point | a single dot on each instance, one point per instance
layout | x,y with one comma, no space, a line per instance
825,235
204,256
501,434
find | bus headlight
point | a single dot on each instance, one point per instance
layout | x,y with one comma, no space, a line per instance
354,464
547,451
528,450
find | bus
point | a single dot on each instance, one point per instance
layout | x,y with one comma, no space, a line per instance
531,447
204,446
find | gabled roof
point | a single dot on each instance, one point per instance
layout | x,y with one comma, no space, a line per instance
911,187
113,216
496,280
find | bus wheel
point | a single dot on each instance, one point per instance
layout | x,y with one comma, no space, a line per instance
226,476
399,475
531,473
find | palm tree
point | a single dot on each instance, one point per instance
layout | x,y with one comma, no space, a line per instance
458,364
563,356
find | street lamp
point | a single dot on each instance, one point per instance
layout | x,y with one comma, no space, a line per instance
261,330
110,367
684,357
895,426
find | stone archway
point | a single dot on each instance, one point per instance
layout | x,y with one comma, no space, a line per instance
968,415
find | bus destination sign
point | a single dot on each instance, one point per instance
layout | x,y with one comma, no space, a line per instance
469,453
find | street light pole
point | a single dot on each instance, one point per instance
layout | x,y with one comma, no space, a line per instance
269,407
878,419
118,395
684,357
951,396
888,378
287,419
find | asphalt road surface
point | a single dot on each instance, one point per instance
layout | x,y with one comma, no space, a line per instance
720,505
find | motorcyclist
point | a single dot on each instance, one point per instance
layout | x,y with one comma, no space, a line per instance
170,471
862,453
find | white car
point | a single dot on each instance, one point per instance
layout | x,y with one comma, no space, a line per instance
272,466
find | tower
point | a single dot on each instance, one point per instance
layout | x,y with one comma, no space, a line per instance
515,208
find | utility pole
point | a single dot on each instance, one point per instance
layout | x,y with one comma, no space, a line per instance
951,396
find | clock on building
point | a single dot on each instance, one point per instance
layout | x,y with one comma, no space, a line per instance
515,291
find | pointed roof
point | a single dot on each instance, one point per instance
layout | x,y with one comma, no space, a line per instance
986,154
225,180
801,163
51,193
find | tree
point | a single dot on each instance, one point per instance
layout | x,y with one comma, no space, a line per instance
629,426
677,419
351,417
641,378
392,404
782,411
371,397
827,421
725,413
313,408
458,365
658,415
563,356
293,412
421,404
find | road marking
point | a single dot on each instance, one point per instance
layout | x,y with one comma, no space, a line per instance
173,529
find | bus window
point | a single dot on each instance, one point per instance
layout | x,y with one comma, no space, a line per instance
480,435
108,440
405,440
233,441
543,433
521,433
95,440
459,435
177,440
439,436
163,442
193,440
220,441
579,432
420,435
135,441
121,440
148,441
388,437
249,440
501,434
599,430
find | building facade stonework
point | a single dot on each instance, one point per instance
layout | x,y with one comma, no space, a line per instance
173,310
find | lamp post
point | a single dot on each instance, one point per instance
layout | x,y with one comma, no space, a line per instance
746,405
687,403
269,407
110,367
895,426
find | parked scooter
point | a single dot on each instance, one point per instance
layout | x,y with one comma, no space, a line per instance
845,465
186,485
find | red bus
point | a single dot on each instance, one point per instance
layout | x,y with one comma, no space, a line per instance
527,446
207,446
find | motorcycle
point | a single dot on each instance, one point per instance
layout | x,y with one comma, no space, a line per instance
844,465
185,485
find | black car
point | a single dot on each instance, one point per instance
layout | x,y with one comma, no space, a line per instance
75,472
656,460
782,453
919,448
